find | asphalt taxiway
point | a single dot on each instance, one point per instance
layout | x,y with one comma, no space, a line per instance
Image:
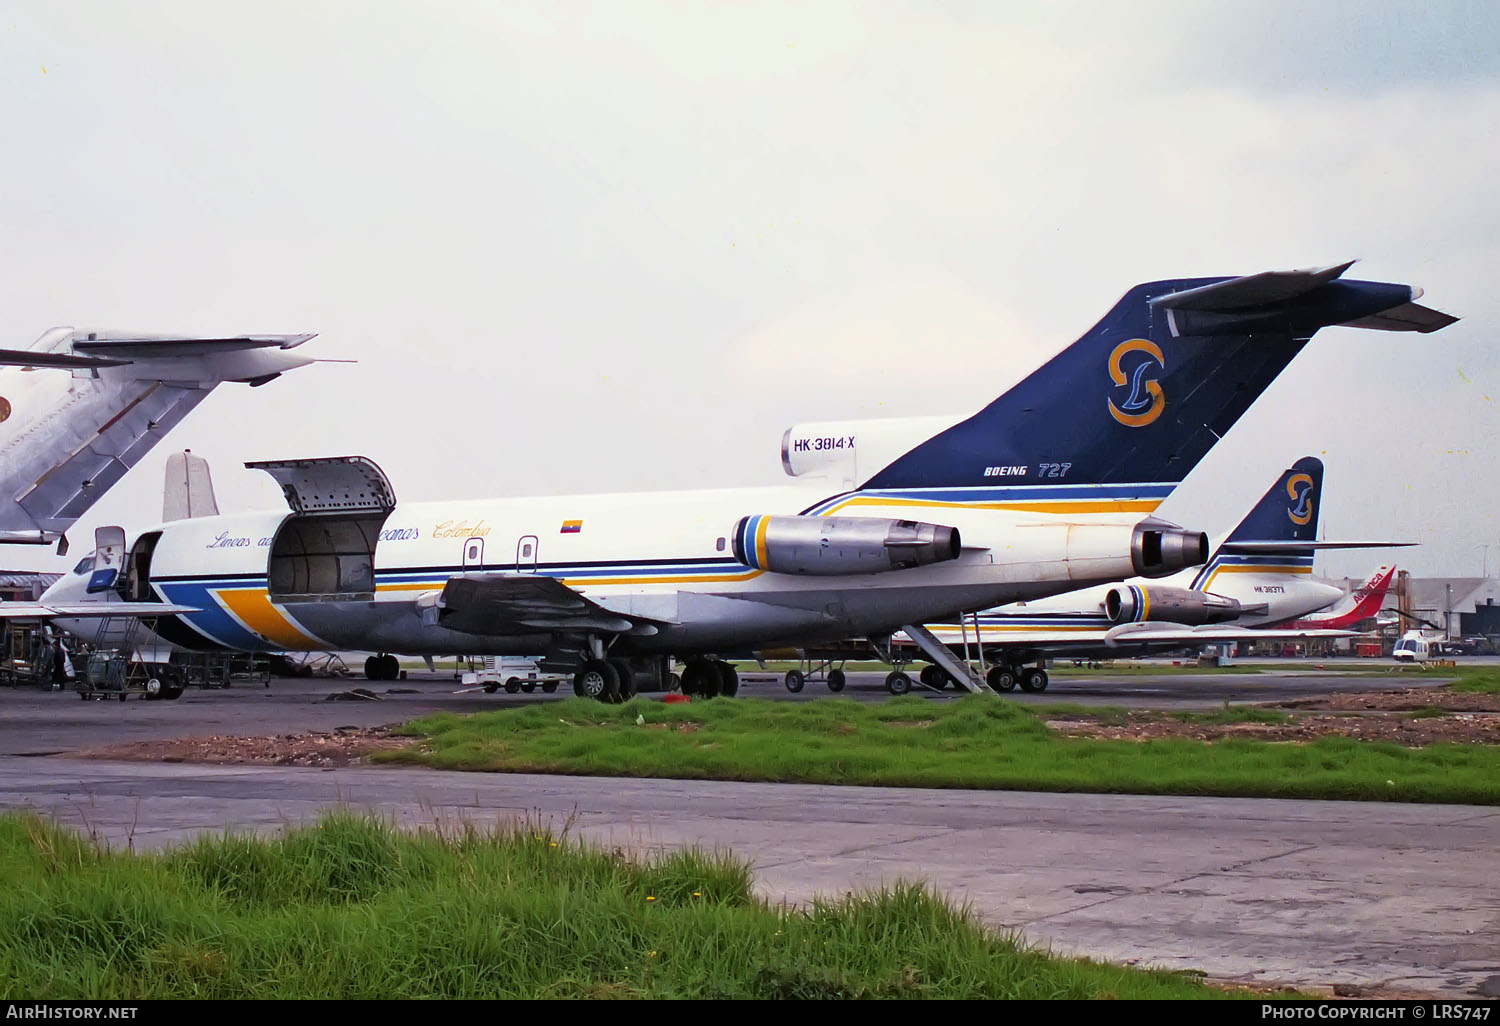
36,722
1267,891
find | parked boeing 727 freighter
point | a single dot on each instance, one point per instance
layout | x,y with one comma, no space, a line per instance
1256,585
1048,488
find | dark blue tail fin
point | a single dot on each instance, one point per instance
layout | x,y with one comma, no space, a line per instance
1133,405
1279,534
1289,511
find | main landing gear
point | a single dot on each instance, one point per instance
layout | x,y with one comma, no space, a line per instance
710,678
1005,678
382,667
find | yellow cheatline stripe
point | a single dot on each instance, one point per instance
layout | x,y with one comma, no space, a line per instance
760,541
1054,506
254,609
1145,604
1254,570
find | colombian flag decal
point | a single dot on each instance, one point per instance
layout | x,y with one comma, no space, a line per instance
571,527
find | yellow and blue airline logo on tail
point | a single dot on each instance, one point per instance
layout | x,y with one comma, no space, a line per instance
1146,399
1300,487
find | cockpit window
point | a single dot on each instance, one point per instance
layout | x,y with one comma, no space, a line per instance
85,564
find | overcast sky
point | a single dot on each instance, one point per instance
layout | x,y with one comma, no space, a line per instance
621,246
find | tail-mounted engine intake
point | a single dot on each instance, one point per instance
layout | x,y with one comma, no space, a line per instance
830,546
1130,603
1158,548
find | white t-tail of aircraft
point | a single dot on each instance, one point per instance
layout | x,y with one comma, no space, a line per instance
1048,488
79,409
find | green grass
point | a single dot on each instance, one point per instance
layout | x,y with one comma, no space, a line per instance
1483,680
1233,714
974,742
354,909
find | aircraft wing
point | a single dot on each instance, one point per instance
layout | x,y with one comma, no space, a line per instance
509,603
88,610
1165,633
1271,547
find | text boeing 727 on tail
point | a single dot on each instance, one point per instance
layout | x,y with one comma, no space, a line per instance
612,586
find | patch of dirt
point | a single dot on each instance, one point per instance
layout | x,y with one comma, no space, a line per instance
1394,727
345,746
1405,699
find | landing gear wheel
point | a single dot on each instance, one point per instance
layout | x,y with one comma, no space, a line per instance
1000,678
674,683
512,686
597,679
729,679
1034,680
392,667
934,677
794,681
700,678
373,668
627,678
835,680
897,683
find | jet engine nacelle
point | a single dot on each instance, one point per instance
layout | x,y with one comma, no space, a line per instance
1158,548
834,546
1136,604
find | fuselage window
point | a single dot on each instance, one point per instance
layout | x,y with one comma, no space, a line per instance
473,551
526,551
719,545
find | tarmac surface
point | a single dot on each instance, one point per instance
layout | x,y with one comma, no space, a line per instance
37,722
1266,891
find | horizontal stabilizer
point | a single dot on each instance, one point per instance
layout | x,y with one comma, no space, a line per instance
151,348
1407,317
61,361
89,610
1264,547
1265,289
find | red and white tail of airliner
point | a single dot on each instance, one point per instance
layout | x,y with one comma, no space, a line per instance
1363,603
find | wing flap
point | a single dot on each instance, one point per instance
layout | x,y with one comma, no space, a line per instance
506,603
